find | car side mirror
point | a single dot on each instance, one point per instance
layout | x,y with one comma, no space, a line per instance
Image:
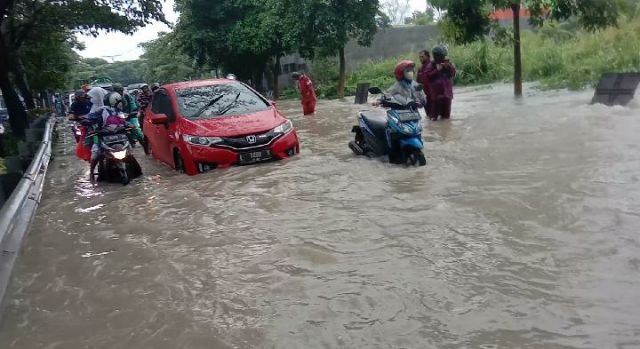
273,103
159,119
375,90
419,87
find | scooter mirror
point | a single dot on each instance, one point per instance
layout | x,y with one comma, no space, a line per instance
375,90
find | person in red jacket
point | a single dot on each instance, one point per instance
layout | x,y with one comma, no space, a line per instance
425,59
440,75
305,86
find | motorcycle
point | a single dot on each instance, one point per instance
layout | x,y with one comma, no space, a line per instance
117,161
396,132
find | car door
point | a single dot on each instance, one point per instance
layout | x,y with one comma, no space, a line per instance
162,136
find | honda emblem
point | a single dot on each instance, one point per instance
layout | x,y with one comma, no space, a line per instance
251,139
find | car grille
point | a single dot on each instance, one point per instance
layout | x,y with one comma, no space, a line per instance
249,142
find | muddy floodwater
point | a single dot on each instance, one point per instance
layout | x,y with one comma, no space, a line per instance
523,231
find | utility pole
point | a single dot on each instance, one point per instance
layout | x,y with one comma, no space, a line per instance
517,53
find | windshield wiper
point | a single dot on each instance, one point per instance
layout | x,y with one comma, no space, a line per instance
227,108
206,106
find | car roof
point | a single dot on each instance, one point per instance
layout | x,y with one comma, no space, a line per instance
196,83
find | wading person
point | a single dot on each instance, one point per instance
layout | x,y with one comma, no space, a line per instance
425,59
440,75
305,86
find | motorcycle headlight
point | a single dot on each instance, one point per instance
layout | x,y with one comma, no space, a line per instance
284,128
406,128
203,141
120,154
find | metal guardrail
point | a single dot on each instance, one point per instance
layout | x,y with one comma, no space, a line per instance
18,211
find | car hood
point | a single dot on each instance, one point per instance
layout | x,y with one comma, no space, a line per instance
234,125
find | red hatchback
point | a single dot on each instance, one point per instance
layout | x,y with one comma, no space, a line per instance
197,126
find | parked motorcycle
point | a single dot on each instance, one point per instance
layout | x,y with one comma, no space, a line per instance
395,132
117,162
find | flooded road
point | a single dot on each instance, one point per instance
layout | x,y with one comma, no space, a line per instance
521,232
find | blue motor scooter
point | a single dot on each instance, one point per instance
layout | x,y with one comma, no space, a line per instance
395,132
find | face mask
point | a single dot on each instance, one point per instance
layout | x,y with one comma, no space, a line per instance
408,75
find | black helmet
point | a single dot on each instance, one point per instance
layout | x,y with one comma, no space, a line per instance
439,51
79,94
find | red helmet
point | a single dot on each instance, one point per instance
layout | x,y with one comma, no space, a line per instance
401,67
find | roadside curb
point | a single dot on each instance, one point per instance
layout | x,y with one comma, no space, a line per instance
18,211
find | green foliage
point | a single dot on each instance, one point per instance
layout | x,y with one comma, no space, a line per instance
164,62
35,32
468,20
552,57
246,36
465,20
86,70
48,61
338,21
10,145
422,18
325,76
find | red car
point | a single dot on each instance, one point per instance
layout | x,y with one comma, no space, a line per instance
197,126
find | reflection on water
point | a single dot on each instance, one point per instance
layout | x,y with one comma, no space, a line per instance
520,233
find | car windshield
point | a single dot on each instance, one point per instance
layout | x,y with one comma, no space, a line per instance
217,100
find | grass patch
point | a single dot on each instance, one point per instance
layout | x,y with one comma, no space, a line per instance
557,56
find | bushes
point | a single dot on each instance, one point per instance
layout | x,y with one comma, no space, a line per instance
559,56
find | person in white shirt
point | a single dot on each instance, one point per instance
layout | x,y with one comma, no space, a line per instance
96,94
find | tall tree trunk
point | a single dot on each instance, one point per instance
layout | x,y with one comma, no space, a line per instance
517,53
276,78
343,69
20,78
17,115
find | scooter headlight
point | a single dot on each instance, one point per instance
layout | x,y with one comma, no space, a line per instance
284,128
119,155
203,141
406,129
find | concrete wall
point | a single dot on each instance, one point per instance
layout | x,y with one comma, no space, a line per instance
387,43
392,42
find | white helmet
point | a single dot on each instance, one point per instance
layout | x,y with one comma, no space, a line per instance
115,101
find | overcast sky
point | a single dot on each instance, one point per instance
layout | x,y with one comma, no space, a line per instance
125,47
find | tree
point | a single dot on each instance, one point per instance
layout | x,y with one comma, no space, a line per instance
421,18
48,61
591,15
26,21
164,62
204,28
338,21
244,37
396,10
272,29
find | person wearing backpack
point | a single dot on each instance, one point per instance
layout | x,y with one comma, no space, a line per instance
103,117
130,108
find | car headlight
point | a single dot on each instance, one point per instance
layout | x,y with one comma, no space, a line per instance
203,141
284,128
120,154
